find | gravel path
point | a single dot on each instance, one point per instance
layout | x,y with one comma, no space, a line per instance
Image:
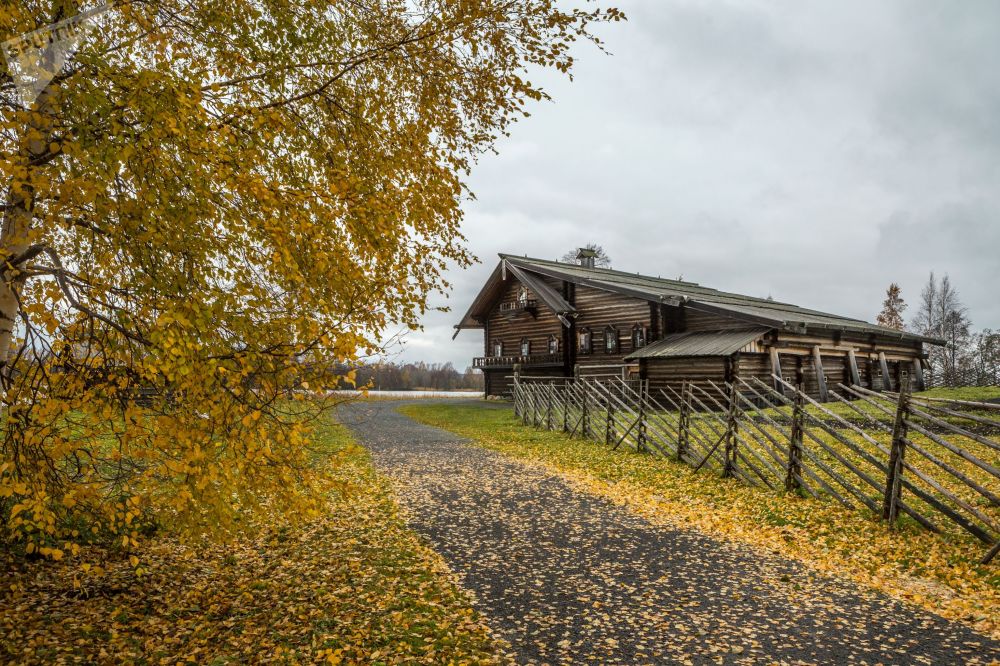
566,577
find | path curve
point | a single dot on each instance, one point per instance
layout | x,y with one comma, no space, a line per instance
566,577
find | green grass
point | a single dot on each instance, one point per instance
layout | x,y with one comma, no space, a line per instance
941,572
851,414
973,393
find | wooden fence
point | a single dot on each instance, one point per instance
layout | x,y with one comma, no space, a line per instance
985,376
931,461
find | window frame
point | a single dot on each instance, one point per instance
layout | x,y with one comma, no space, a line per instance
497,348
553,339
581,335
637,330
525,347
612,340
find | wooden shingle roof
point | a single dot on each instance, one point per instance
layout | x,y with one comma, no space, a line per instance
753,310
701,343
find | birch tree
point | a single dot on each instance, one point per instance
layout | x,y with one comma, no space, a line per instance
942,315
207,207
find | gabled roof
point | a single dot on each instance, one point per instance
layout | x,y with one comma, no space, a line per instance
705,343
476,315
755,311
549,296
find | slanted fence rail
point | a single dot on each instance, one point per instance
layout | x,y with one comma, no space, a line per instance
935,462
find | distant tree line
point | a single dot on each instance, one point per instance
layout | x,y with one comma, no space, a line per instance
388,376
968,357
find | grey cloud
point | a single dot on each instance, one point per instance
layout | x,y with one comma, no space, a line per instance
812,151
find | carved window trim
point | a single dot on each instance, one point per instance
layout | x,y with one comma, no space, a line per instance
611,342
639,336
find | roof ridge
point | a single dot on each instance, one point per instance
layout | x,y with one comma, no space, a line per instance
612,271
732,304
683,283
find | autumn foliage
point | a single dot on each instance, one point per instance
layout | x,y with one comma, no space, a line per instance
206,208
354,586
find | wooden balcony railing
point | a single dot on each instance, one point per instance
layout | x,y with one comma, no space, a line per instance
510,361
519,305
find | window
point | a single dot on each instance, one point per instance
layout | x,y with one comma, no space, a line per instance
638,336
498,347
522,296
525,347
611,340
553,344
584,340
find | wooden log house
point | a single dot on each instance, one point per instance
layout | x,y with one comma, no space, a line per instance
549,318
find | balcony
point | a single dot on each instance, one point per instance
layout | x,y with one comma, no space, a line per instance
520,305
511,361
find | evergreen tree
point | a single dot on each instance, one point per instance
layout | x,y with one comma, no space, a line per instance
893,306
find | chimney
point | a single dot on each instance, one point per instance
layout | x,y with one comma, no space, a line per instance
585,257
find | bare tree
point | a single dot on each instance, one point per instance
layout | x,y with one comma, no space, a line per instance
893,306
942,315
984,358
924,318
955,324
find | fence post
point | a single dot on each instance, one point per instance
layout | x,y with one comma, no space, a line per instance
609,419
683,424
794,470
529,417
728,469
548,405
565,406
536,412
524,404
641,434
517,390
894,474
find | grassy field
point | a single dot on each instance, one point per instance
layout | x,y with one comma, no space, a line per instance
353,586
974,394
938,572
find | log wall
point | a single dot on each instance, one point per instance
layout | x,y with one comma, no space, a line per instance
500,381
598,309
673,372
511,327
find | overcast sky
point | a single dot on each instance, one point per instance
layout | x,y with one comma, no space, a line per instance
813,151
